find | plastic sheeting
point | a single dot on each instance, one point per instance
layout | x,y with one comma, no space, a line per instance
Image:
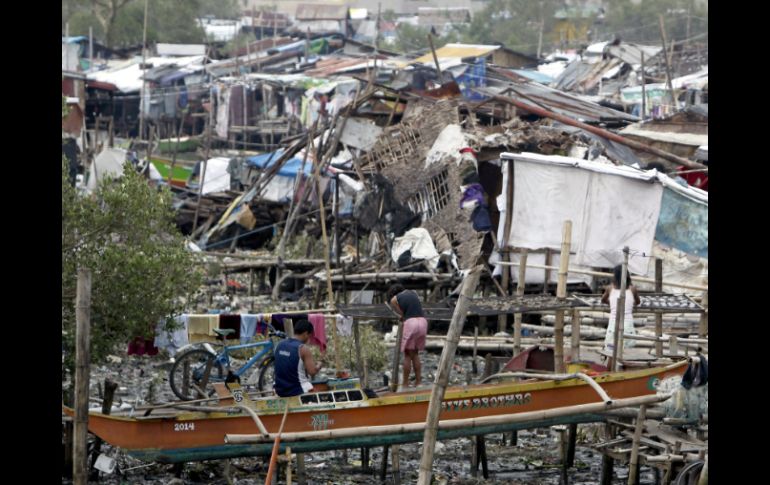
419,242
288,169
610,207
684,223
217,177
109,163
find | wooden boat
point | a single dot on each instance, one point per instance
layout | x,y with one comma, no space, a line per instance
180,175
540,357
185,144
179,436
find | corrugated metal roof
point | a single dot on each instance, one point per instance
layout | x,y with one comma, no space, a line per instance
458,51
632,53
306,11
553,99
690,139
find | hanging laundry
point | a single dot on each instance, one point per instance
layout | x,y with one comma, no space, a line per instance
344,326
263,323
277,319
318,321
201,327
231,321
248,326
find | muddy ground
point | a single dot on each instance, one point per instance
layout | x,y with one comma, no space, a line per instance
533,460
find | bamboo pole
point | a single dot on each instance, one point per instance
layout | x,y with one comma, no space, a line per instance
704,473
82,362
276,443
205,164
327,262
501,419
435,58
667,63
600,273
575,346
288,465
561,294
658,316
633,467
520,285
442,376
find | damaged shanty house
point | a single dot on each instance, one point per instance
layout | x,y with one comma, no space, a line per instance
409,172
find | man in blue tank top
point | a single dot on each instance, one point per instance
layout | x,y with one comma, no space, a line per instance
294,364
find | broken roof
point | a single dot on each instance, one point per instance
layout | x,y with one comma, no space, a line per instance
458,51
554,100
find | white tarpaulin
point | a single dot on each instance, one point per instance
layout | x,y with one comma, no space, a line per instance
447,145
217,177
109,163
419,242
610,207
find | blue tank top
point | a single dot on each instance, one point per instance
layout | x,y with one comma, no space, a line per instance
287,362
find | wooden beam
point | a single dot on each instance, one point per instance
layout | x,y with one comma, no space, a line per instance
442,376
82,363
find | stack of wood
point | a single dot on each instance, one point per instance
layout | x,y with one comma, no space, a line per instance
665,447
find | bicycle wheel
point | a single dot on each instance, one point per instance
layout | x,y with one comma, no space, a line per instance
267,374
188,371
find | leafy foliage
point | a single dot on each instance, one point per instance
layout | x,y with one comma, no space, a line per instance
141,271
121,22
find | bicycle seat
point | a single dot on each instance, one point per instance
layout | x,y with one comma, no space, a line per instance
223,332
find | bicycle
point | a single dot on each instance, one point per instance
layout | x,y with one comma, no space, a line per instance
196,370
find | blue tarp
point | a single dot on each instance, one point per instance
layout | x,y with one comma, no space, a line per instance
289,169
683,224
473,77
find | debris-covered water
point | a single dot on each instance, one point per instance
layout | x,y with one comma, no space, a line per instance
535,459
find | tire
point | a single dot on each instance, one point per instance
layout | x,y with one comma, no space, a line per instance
267,374
197,359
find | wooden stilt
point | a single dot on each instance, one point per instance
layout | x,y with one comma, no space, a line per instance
570,461
442,376
365,459
474,366
288,465
301,469
607,470
633,467
396,465
520,285
474,457
575,346
481,448
384,465
561,293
